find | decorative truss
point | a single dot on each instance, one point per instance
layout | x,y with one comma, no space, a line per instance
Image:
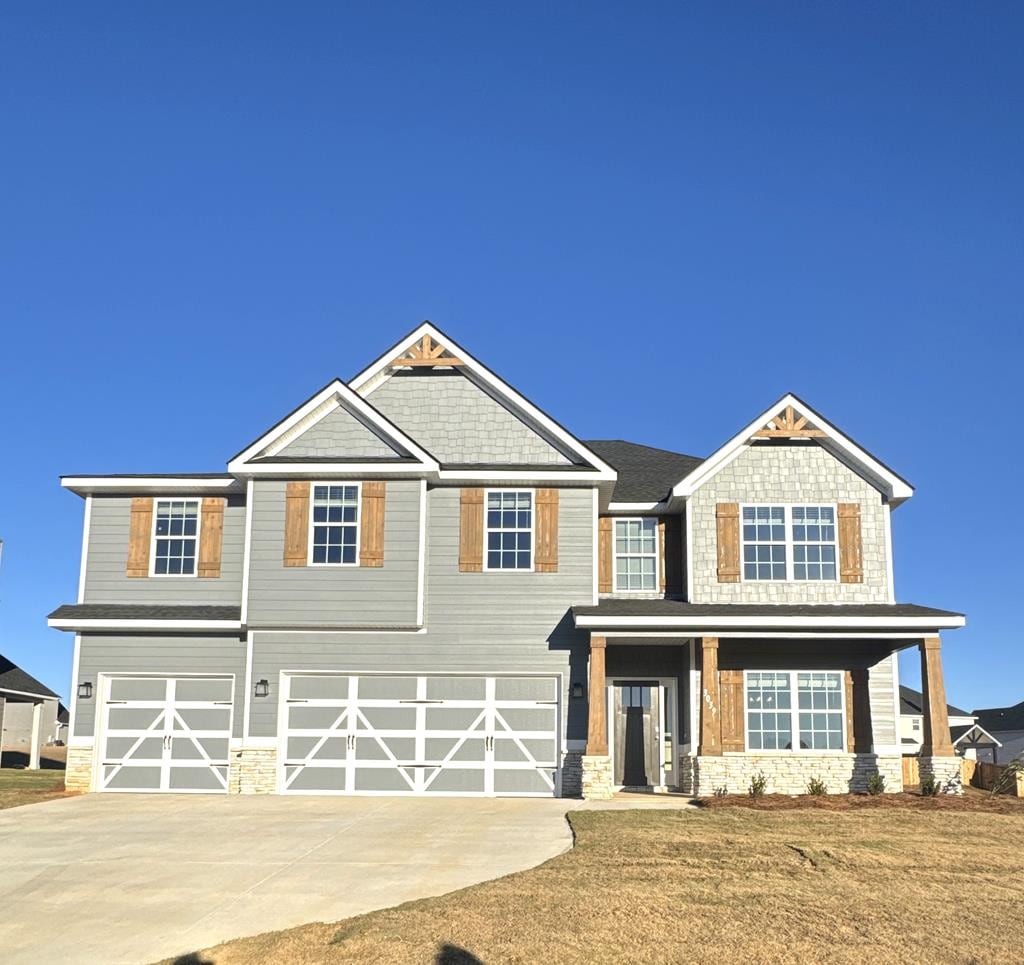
788,425
425,354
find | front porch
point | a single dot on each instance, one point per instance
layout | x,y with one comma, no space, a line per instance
673,711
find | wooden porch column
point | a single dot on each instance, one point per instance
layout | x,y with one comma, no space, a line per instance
936,741
597,724
710,701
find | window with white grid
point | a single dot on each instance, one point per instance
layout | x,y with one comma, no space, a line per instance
335,525
769,711
636,554
814,542
509,530
175,537
764,543
820,702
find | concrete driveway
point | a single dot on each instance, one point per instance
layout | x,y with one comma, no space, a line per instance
120,878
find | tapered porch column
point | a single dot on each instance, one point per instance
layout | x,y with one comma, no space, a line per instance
710,711
597,722
936,741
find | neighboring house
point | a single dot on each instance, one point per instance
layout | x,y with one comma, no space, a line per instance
1006,724
417,582
969,738
28,712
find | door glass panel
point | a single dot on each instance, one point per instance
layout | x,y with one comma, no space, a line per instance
456,688
524,688
137,688
135,718
318,688
202,689
387,688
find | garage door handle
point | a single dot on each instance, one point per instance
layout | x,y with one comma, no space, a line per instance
109,702
421,701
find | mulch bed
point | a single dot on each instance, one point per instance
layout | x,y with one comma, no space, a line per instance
971,800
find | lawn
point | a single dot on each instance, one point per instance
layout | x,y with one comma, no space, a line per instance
906,881
19,787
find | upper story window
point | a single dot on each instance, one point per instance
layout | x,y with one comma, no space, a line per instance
175,537
509,525
789,543
636,554
335,523
817,717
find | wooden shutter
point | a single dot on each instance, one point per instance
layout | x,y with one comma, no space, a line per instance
471,531
140,534
211,536
296,524
605,526
730,683
727,519
371,526
670,542
859,734
546,559
851,557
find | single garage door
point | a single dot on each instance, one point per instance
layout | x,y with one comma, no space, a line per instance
166,734
392,734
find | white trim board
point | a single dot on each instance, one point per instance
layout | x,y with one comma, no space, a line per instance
755,622
73,624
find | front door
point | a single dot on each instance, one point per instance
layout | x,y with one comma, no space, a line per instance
637,739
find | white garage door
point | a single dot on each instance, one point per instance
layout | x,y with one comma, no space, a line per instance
166,734
419,735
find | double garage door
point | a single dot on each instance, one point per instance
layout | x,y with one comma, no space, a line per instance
405,734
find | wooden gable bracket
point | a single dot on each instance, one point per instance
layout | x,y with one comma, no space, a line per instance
787,425
425,354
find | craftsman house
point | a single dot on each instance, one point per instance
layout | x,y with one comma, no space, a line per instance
417,582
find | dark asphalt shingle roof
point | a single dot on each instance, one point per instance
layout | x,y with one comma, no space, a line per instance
955,733
12,677
646,474
912,703
145,611
1002,718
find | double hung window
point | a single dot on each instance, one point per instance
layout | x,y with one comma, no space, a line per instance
509,530
636,554
175,537
335,525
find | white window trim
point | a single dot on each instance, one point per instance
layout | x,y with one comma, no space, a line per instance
533,529
787,517
615,555
794,711
153,537
312,523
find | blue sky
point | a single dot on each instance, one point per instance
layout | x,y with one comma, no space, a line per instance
652,219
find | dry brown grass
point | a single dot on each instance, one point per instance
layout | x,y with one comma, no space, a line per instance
29,787
723,884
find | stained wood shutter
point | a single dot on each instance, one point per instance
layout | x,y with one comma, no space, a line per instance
140,533
670,537
296,524
859,734
730,683
727,520
211,537
851,555
546,558
604,554
371,526
471,531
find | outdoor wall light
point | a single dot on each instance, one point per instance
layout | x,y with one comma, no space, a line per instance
84,690
577,690
262,688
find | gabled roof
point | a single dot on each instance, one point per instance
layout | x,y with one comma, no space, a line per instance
646,474
18,683
998,719
912,704
259,457
971,734
791,417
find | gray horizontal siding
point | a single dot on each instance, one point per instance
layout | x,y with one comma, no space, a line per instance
117,653
883,703
334,595
105,579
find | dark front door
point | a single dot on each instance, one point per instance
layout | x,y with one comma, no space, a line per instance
637,715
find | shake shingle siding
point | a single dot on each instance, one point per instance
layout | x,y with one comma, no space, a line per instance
338,434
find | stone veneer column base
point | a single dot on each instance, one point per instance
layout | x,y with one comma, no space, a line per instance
945,771
78,770
572,774
790,773
597,777
253,770
687,776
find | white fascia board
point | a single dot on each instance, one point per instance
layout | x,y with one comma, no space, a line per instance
73,624
657,507
87,485
974,727
367,380
321,470
824,622
500,476
27,693
336,389
896,489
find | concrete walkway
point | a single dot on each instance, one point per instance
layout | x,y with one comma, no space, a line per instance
119,878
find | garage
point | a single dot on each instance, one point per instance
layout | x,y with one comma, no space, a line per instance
423,734
166,733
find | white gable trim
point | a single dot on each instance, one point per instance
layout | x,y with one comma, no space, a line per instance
894,488
977,727
375,374
318,407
